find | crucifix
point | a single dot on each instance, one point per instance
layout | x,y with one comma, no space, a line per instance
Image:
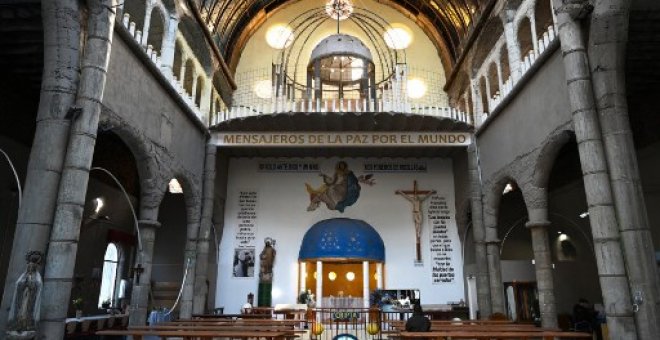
416,197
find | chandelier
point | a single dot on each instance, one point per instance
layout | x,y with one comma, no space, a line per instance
339,9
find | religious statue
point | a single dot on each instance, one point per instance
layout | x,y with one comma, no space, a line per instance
338,191
24,310
267,258
416,197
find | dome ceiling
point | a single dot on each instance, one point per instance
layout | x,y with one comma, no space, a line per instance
446,22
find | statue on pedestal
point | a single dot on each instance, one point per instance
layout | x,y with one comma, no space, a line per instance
267,259
24,311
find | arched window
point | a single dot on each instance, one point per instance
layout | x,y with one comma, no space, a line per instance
109,277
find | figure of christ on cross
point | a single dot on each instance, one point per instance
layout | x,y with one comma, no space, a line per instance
416,197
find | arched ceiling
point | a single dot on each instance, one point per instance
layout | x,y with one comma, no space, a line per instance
446,22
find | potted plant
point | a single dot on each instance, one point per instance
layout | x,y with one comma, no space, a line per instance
78,304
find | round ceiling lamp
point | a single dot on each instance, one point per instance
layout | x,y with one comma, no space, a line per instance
350,276
416,88
279,36
398,37
263,89
332,276
339,9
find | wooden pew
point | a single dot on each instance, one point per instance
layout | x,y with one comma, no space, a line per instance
494,334
238,321
232,316
503,327
202,334
290,330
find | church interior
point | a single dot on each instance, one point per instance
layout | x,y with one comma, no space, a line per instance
333,162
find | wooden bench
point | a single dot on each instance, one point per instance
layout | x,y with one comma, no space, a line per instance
201,334
493,334
504,327
236,321
232,316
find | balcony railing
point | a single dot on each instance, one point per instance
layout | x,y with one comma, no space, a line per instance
340,106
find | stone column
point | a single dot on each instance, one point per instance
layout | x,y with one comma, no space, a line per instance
478,233
512,46
193,211
147,22
544,272
167,49
63,246
365,283
536,200
532,28
495,276
608,38
604,226
59,83
182,71
142,281
152,190
489,96
205,100
202,263
492,241
319,284
477,105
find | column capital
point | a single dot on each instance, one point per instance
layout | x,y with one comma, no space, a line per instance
534,224
148,224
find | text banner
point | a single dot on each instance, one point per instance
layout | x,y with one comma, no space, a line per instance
343,139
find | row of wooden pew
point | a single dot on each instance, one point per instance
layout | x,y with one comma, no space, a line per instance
484,329
209,328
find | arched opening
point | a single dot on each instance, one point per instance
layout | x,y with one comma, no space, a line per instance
356,247
524,36
484,95
517,256
109,275
543,17
168,262
156,30
506,69
494,82
107,220
188,77
570,236
199,90
178,61
136,9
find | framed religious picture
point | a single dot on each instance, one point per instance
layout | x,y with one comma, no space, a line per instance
243,265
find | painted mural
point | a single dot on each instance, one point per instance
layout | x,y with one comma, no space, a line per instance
339,191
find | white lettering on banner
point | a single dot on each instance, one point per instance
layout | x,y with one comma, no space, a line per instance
442,270
362,139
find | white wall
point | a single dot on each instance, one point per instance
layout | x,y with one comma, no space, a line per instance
282,215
